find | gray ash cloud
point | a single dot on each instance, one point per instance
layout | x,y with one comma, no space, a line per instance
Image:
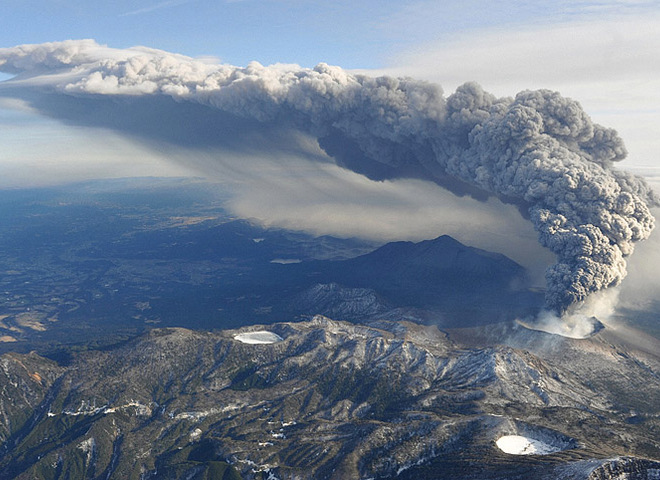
539,150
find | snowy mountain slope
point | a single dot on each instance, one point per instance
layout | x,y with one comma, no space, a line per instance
331,400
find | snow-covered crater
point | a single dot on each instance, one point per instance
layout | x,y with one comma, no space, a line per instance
520,438
261,337
519,445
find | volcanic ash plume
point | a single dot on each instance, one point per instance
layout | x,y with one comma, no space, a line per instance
538,150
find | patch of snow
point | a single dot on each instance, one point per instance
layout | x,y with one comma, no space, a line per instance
89,448
140,409
89,409
405,467
261,337
85,409
519,445
285,261
197,415
87,445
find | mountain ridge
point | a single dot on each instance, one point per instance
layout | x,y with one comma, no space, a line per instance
331,400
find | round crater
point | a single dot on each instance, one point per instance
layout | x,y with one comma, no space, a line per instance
520,445
515,437
261,337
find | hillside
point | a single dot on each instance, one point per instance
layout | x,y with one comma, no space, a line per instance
334,400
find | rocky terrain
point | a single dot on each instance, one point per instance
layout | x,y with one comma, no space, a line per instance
326,399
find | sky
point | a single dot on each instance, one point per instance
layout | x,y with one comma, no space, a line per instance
601,53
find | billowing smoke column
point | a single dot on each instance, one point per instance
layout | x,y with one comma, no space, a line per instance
537,150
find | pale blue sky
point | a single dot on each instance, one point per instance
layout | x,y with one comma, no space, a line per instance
363,34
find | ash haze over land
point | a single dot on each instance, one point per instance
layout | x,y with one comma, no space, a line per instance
538,151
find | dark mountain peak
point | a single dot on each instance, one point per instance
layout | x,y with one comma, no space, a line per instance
465,282
441,261
443,240
441,251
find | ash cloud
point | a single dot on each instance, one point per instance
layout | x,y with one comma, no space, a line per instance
539,150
